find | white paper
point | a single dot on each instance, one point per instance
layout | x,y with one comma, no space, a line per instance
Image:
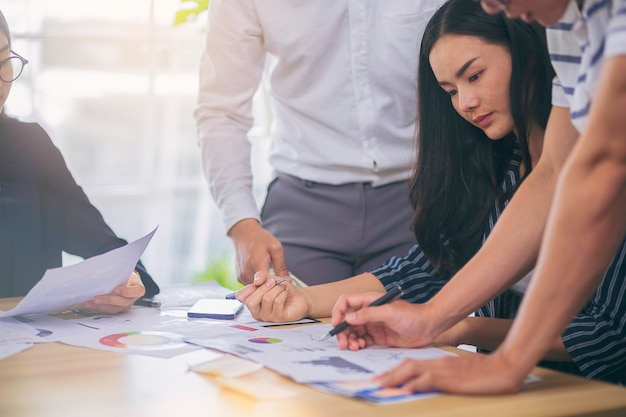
298,354
10,350
12,332
140,330
68,286
50,329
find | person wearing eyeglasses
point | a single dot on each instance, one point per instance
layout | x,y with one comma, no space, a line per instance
43,212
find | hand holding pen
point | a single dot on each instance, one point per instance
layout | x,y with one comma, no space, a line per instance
397,324
389,296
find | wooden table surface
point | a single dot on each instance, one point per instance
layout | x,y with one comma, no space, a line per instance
53,379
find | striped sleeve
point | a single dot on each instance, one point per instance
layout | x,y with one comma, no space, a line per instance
596,338
565,55
616,31
414,273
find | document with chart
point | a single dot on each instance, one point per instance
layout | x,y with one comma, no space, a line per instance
298,354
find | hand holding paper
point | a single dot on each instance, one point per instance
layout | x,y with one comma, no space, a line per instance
122,296
62,288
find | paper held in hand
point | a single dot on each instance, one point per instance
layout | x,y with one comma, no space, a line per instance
65,287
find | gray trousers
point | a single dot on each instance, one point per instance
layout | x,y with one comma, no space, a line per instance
334,232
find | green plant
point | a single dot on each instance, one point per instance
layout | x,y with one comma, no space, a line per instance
221,269
190,10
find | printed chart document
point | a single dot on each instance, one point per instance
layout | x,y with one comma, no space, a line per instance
299,354
68,286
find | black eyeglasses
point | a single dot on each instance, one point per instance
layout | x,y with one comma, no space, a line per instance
496,4
12,67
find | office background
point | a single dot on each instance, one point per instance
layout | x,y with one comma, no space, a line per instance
114,83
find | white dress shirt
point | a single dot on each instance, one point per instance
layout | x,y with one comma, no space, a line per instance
341,76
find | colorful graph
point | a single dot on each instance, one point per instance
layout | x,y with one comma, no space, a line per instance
143,340
265,340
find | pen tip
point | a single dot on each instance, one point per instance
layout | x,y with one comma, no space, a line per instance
324,337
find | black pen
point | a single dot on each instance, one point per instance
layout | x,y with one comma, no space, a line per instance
147,302
389,296
233,295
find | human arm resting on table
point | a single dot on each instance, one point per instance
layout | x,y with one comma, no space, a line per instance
285,302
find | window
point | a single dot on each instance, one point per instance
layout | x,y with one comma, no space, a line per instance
115,85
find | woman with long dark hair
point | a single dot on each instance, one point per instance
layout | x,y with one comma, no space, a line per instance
460,165
484,99
479,135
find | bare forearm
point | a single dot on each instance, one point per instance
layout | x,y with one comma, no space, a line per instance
586,226
322,298
488,333
508,254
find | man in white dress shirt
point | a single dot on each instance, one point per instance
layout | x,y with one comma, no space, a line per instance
342,77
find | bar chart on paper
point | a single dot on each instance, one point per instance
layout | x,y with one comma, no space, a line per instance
339,364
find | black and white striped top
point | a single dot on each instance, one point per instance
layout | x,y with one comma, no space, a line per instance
595,339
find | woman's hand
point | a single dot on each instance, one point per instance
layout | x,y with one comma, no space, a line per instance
122,296
268,301
398,324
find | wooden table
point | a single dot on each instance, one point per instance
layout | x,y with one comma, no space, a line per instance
53,379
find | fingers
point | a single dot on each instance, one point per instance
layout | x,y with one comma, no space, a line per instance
351,308
494,6
277,255
122,296
259,279
407,371
256,250
262,297
424,376
356,339
346,306
275,311
467,374
251,265
109,303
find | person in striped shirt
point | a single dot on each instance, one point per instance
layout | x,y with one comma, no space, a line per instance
572,210
479,159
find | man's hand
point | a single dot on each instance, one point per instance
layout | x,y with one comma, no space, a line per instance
256,250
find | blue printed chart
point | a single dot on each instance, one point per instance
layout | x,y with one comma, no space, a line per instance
299,354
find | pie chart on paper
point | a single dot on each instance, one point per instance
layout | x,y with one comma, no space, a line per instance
265,340
143,340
